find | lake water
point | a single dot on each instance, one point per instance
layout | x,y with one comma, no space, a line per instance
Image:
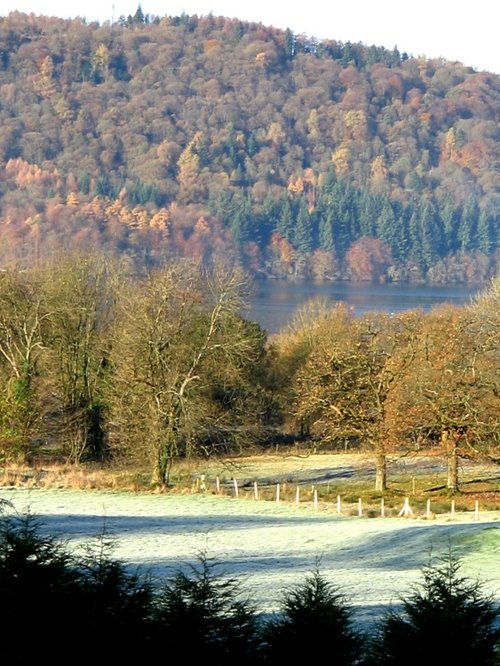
276,301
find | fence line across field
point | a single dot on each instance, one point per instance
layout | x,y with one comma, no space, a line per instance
404,511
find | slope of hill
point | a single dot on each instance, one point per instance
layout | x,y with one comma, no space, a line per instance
207,136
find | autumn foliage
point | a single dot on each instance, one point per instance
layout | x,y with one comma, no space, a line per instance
190,136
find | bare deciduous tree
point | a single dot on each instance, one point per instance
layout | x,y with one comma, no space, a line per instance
178,333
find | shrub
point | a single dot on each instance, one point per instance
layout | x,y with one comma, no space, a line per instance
447,620
201,616
39,592
117,605
50,598
314,623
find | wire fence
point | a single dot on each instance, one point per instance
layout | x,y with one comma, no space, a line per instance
319,500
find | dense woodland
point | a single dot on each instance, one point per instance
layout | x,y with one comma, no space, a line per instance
98,363
202,137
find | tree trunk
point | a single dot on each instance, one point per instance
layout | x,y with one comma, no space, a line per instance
380,472
451,447
166,452
161,475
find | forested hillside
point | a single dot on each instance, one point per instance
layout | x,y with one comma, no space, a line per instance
192,136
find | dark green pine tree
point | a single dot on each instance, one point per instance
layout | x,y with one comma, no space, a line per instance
488,230
450,218
238,31
413,182
415,235
289,44
238,176
350,204
84,183
431,234
139,17
233,149
401,239
326,238
241,222
467,229
391,229
323,213
203,151
347,54
314,620
220,203
267,220
303,232
324,194
339,214
203,611
344,236
285,224
252,145
395,59
328,185
447,620
386,222
368,213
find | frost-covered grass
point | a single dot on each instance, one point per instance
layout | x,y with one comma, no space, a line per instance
269,546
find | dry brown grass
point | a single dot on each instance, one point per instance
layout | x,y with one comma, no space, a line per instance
74,477
290,471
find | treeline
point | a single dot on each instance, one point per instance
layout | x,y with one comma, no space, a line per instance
94,605
332,230
100,363
196,137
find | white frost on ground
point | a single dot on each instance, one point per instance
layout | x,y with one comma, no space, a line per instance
270,546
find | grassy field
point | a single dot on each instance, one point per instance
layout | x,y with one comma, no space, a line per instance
290,475
271,545
268,546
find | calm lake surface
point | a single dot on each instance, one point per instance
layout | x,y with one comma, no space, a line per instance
276,301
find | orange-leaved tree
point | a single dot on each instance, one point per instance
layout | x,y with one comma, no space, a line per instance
450,395
353,367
